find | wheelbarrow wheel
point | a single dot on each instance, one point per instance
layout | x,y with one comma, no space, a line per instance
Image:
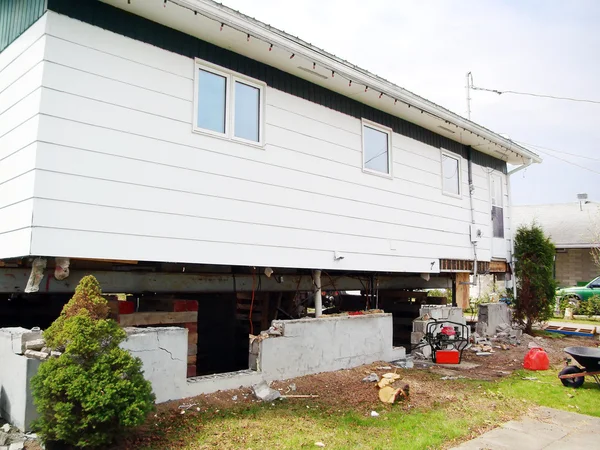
571,382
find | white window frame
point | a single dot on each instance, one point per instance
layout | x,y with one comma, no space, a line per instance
231,77
389,132
458,158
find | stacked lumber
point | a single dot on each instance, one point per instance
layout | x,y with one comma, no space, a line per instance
161,312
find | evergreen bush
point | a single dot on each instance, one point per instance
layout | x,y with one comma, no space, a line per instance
94,390
534,267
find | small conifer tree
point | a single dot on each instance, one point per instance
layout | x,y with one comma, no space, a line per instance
534,267
94,390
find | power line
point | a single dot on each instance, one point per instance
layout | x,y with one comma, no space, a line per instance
572,163
558,151
554,97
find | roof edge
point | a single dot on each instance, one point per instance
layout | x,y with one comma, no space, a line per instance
260,30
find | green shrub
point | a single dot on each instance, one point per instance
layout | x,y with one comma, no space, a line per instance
590,307
536,287
95,389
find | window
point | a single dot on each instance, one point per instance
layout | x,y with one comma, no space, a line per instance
376,149
450,174
497,206
212,101
228,104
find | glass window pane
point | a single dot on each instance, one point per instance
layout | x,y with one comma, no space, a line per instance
212,90
376,150
247,110
450,175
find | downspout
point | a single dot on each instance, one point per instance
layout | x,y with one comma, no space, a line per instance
512,239
471,190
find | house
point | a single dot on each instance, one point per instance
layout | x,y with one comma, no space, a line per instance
574,228
178,148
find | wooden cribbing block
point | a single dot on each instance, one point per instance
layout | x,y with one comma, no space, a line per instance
157,318
185,305
192,349
191,360
191,371
192,338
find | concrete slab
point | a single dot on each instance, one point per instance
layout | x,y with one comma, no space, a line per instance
545,428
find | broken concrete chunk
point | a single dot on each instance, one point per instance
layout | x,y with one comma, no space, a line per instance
264,393
3,438
5,427
36,344
35,354
17,446
55,354
371,378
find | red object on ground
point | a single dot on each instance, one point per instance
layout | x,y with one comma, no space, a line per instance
447,356
448,331
126,307
536,359
355,313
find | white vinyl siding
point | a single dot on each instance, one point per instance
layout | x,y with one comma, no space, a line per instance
21,71
120,176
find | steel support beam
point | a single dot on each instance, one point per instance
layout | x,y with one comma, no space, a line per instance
15,280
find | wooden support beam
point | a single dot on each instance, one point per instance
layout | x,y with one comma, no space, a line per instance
14,280
157,318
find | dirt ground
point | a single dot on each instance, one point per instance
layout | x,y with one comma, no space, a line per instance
344,389
424,380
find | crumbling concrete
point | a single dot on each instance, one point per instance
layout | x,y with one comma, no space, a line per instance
491,316
16,371
309,346
163,351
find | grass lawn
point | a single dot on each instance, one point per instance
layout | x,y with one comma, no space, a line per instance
462,409
580,321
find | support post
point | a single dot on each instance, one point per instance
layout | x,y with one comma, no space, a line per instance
318,296
463,290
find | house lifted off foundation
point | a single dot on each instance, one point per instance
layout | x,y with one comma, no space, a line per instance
224,175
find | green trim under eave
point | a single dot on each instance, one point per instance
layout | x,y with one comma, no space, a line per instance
16,16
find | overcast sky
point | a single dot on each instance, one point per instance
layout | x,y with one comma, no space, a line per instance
544,46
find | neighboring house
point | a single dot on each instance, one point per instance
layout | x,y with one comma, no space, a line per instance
574,228
181,147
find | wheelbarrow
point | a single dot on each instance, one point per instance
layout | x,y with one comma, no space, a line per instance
589,360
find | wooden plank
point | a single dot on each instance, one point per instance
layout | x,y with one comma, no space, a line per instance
157,318
192,338
191,360
498,266
462,290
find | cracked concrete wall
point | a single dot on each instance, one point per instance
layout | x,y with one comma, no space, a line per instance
163,351
310,346
16,401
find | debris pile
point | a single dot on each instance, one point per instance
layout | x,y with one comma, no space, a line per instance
13,439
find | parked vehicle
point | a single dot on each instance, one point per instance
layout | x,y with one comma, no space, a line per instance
576,294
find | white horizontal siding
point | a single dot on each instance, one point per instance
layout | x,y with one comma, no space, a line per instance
21,70
121,175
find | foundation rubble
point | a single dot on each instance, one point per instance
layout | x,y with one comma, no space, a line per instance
264,393
11,438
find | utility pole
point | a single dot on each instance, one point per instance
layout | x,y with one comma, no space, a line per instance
468,88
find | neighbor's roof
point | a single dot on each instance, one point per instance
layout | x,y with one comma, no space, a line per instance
569,225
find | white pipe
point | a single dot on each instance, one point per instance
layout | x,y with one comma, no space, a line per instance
471,189
318,295
517,169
